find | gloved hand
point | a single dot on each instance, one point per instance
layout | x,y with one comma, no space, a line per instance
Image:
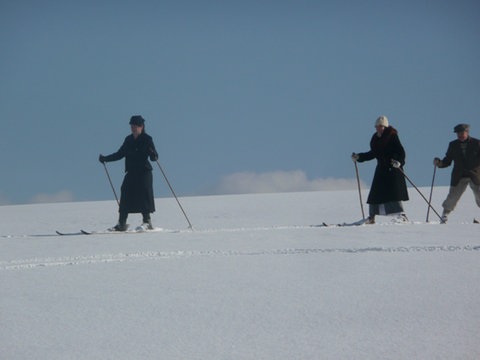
153,154
437,161
101,158
355,157
396,164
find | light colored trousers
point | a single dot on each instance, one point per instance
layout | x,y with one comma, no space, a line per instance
457,191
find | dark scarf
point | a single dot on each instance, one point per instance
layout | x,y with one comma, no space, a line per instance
378,144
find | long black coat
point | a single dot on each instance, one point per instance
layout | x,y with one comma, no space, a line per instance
388,183
137,187
467,165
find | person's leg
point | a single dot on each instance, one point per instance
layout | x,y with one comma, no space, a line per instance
453,196
476,192
373,209
147,221
396,208
122,208
122,222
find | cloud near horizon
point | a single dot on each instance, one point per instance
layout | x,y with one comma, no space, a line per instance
61,196
280,181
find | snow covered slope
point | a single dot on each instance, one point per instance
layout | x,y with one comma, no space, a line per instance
254,280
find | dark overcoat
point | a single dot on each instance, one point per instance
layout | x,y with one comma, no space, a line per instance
388,183
467,165
137,188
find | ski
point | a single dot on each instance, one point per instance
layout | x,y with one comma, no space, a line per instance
356,223
134,231
68,233
323,224
113,232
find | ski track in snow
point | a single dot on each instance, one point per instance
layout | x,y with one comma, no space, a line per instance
25,264
218,230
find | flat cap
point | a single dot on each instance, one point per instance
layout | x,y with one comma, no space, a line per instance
461,128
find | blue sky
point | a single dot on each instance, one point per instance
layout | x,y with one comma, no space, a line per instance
238,95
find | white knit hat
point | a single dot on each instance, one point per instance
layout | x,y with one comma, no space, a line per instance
382,121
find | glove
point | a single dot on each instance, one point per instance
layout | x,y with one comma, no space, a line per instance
437,161
101,158
355,157
153,154
396,164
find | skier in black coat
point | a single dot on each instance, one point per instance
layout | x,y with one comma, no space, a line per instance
388,188
137,189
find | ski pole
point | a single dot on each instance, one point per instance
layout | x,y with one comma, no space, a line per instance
173,192
111,184
359,191
431,191
416,188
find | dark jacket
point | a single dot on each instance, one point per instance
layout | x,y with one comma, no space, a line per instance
137,189
388,183
136,153
467,165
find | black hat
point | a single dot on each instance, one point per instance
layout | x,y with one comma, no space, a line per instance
137,120
461,128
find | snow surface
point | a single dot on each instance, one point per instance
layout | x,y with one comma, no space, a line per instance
253,281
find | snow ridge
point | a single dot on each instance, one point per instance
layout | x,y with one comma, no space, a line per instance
25,264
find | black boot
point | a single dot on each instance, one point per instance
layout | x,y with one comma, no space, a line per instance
370,220
122,223
147,222
120,227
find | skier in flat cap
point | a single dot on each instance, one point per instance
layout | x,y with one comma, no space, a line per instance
465,154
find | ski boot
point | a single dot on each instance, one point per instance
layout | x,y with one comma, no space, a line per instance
370,220
119,227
